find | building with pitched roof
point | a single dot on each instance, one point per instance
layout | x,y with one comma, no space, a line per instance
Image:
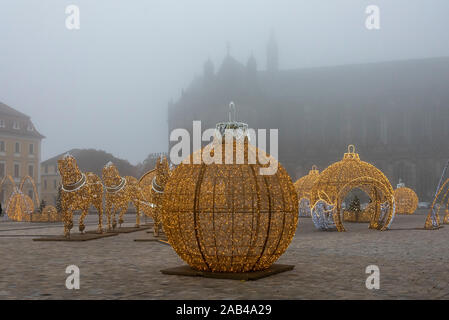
396,113
20,151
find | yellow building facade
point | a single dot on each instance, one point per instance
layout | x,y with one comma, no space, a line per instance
20,152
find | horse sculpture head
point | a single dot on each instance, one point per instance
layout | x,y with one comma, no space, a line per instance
111,176
68,169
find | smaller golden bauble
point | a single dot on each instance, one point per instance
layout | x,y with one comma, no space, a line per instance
303,187
406,200
20,207
50,214
304,184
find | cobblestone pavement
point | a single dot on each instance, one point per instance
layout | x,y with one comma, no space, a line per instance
328,265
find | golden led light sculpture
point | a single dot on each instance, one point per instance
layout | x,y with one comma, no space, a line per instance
229,217
405,199
78,191
145,184
441,201
303,187
152,185
336,181
119,192
50,214
21,207
362,216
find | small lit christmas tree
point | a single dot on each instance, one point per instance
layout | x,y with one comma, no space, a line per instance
354,206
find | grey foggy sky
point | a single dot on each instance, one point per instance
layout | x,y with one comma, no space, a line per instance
107,85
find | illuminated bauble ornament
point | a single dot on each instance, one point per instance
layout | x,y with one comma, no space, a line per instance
405,199
20,206
337,180
229,217
303,187
50,214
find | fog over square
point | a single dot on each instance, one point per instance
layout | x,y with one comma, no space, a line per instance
107,85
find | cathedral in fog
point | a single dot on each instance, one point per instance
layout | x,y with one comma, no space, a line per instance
395,113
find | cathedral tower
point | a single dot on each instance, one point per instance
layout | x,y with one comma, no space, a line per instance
272,54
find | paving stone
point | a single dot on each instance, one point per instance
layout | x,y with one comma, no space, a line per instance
328,265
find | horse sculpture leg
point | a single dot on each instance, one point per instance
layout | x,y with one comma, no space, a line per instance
156,222
136,204
84,212
108,214
99,207
122,212
114,222
68,222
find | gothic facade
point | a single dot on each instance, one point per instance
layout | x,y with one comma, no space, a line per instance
395,113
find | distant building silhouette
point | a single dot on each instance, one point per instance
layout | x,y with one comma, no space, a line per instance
272,55
395,113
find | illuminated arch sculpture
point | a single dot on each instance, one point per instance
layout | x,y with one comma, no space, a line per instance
440,201
303,187
405,199
152,185
20,207
336,181
145,184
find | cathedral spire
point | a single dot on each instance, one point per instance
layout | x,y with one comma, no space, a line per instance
272,54
228,49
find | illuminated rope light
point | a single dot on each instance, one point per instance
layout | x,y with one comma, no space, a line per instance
158,188
74,187
440,201
117,188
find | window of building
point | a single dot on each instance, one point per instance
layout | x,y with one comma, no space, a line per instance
31,170
46,168
16,125
30,127
2,169
2,146
45,184
54,184
2,196
2,123
17,147
16,170
31,149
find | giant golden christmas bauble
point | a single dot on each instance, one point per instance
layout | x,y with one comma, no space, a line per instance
406,200
229,217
